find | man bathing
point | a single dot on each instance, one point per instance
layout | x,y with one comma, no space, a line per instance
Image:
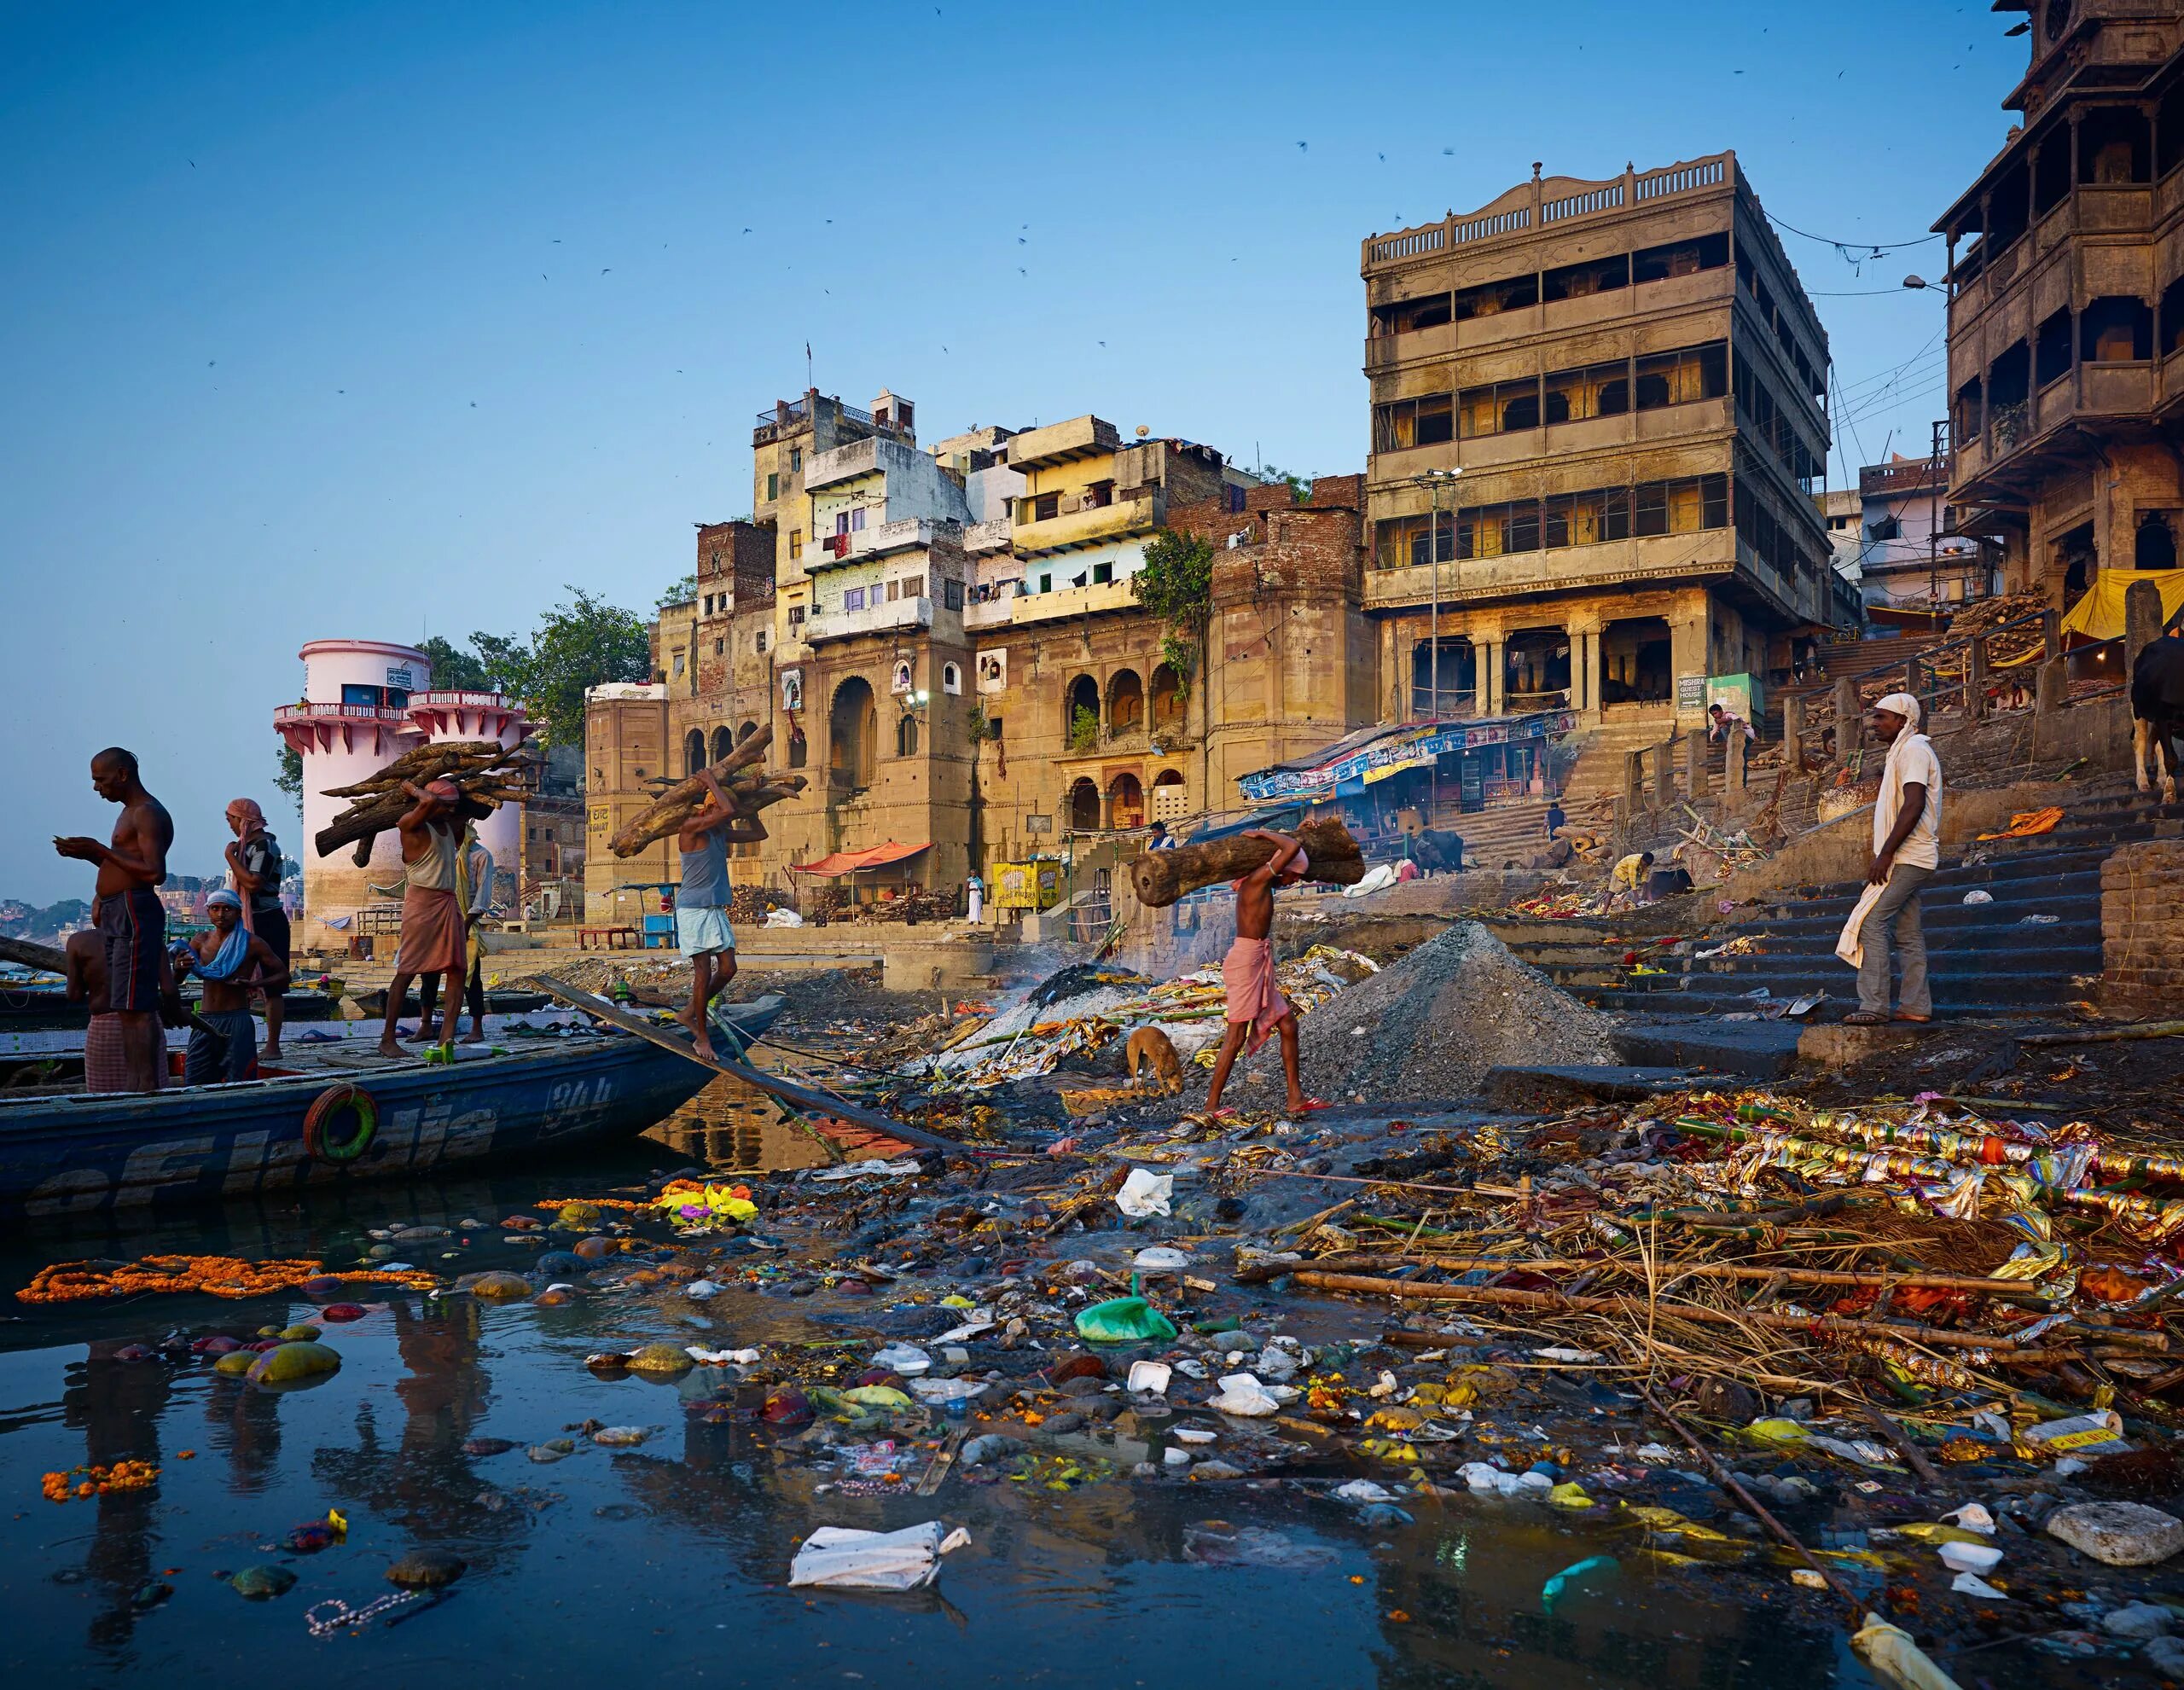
433,932
231,960
1256,1008
125,911
702,932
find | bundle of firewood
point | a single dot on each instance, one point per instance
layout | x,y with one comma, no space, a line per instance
747,788
488,774
1163,876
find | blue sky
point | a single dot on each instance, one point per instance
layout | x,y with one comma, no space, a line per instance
389,319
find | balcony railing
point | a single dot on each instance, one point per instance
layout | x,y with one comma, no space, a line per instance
353,712
841,624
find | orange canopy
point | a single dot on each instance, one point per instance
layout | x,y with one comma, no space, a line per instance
842,863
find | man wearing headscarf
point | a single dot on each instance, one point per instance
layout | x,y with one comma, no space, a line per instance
1906,851
223,1039
254,869
433,932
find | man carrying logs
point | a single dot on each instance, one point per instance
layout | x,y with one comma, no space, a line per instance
1256,1008
126,911
432,932
702,932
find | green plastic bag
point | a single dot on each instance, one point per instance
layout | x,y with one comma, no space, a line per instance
1124,1320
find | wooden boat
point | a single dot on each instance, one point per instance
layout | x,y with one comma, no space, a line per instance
78,1155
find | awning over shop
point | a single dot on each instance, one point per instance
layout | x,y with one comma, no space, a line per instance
2100,614
1355,762
840,863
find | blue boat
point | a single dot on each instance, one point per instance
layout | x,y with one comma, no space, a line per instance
77,1155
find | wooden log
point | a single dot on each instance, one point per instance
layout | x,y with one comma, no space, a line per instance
482,786
1637,1308
422,764
33,956
1161,877
666,814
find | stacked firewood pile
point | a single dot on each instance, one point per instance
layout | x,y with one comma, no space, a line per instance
747,788
488,774
912,904
754,903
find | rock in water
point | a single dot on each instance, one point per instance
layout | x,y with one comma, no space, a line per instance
2122,1533
263,1583
300,1334
427,1570
285,1363
660,1358
487,1446
236,1361
339,1312
497,1287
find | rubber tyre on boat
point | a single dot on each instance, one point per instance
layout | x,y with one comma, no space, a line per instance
326,1112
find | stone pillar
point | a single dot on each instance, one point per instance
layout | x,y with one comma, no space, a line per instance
2051,688
1488,667
1975,679
1695,765
1593,700
1732,766
1633,782
2142,622
2051,634
1849,730
1664,775
1793,728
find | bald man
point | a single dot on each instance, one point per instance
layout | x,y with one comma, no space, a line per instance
126,911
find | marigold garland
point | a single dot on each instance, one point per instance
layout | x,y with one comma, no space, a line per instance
228,1276
61,1487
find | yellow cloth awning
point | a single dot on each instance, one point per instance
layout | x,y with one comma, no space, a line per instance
2100,614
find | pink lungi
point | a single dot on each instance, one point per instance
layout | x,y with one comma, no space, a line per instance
432,938
1247,975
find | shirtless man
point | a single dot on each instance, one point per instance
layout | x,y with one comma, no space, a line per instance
703,900
433,932
230,961
1257,1008
126,912
103,1067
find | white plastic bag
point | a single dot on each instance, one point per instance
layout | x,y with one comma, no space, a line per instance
1242,1394
1145,1194
848,1559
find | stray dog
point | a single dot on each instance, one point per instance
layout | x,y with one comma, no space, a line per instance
2157,713
1150,1048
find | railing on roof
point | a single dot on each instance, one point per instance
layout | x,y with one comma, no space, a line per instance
1681,179
1631,188
1409,245
1480,228
1577,204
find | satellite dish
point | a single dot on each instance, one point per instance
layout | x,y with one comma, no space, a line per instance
1143,431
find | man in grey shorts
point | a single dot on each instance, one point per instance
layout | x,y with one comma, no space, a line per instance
702,932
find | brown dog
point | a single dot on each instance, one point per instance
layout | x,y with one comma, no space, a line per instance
1150,1048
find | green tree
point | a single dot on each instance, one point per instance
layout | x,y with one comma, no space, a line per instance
290,779
1176,585
682,592
453,669
1084,729
584,643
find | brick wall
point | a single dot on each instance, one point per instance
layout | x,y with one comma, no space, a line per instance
2141,941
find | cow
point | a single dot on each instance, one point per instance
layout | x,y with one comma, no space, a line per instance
2157,713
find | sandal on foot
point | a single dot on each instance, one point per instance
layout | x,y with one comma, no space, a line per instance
1311,1106
1864,1018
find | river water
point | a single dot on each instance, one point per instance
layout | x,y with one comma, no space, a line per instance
672,1559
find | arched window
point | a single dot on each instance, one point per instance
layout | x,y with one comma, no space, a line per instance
2157,544
852,736
903,682
1080,716
746,731
799,749
906,736
721,746
1084,806
694,751
952,679
1126,703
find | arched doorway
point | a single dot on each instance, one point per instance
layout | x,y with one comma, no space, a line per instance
1458,678
1126,703
852,736
799,749
1080,716
1635,661
746,731
1537,662
694,751
2155,548
1125,802
1083,805
721,745
1167,700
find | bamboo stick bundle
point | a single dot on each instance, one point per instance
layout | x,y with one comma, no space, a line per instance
747,788
1163,876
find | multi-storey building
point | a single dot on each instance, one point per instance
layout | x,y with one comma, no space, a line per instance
1597,424
1912,567
2067,304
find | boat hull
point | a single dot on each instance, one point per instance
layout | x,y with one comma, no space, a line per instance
69,1157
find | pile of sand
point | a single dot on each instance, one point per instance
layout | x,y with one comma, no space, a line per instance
1425,1028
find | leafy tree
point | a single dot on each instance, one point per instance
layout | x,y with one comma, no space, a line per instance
290,779
682,592
1176,585
453,669
585,642
1300,486
1084,729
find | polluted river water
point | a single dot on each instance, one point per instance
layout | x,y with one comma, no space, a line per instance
673,1556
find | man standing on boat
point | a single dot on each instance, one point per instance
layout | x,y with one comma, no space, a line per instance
432,932
702,901
126,912
254,869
